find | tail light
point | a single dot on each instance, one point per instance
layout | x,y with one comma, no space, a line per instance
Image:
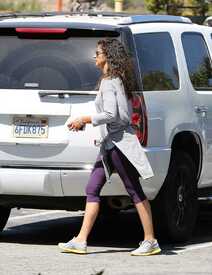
41,30
139,117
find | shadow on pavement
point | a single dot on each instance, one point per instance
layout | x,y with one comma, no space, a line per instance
121,231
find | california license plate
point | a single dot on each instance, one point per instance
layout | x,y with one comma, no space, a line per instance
24,127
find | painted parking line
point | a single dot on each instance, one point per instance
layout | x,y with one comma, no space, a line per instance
193,247
38,214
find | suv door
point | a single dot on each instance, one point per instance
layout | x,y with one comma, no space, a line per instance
199,64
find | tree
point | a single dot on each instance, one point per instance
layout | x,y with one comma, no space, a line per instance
157,80
6,6
28,6
200,78
176,7
169,6
201,7
20,6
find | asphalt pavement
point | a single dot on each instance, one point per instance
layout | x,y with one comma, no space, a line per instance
29,246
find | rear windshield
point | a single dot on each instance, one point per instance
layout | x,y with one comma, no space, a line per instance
48,63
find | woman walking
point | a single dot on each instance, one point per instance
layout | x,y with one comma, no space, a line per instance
120,148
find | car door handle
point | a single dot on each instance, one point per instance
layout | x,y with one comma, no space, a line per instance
201,109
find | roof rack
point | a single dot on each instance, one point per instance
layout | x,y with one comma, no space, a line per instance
55,13
29,14
124,18
135,19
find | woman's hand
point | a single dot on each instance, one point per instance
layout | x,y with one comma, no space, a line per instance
76,125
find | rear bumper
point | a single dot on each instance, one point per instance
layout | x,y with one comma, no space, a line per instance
72,182
37,182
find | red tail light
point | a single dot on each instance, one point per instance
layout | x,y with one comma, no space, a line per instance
139,118
41,30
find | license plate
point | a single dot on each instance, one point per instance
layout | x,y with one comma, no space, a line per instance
24,127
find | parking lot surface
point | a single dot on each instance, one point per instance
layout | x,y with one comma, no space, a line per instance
29,246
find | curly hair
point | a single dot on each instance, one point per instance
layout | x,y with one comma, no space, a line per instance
119,64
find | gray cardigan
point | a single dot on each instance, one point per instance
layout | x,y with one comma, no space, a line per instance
114,118
113,111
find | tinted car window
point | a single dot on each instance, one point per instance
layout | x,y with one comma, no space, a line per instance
52,63
198,60
157,61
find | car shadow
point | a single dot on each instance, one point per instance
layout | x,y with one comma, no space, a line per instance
122,229
122,232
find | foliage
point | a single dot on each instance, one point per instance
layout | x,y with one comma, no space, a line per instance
175,7
202,7
6,5
201,76
30,5
110,3
157,80
133,4
168,6
20,6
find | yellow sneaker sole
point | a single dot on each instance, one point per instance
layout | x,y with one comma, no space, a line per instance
153,252
69,250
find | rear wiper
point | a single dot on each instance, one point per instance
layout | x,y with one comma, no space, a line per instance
61,94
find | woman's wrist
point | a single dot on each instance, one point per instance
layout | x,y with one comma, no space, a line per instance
80,121
86,119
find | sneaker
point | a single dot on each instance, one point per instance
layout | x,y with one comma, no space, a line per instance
147,248
73,247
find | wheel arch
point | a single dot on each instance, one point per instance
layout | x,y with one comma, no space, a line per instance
190,143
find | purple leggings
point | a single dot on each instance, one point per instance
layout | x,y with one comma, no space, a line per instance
126,171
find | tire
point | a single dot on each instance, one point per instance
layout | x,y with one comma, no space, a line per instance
4,215
176,205
106,212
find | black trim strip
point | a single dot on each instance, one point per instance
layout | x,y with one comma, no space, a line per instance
205,192
43,202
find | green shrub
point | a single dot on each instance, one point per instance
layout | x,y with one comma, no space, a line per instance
30,5
7,6
133,4
110,3
20,6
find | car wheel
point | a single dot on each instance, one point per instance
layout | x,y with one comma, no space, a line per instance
4,215
106,211
176,205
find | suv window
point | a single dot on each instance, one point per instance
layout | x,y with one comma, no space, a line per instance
198,60
157,61
48,62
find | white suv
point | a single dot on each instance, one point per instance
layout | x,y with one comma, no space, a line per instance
48,74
